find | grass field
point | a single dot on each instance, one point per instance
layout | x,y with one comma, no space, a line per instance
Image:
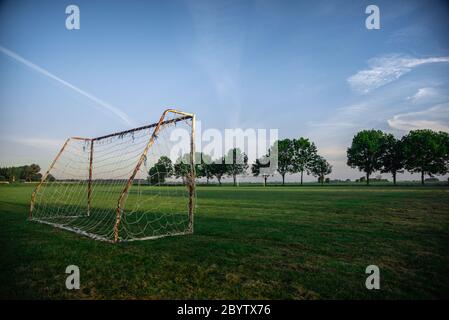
290,242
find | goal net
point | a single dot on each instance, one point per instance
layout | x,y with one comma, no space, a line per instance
131,185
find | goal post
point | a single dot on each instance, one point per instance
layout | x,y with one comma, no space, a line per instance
123,186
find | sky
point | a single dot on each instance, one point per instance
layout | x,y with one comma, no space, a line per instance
306,68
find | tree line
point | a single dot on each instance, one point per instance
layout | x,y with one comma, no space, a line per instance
234,163
294,156
27,173
420,151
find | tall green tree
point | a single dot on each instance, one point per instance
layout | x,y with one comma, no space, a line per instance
285,153
426,152
304,153
208,171
392,158
366,151
261,167
237,163
181,168
320,168
15,173
161,170
444,138
203,166
219,168
32,172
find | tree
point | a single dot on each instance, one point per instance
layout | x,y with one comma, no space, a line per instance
304,153
36,177
207,169
320,168
366,151
444,137
181,168
285,152
426,151
162,169
261,167
202,166
219,168
15,173
237,163
4,173
209,173
27,173
392,159
31,173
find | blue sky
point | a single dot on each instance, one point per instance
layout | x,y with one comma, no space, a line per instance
307,68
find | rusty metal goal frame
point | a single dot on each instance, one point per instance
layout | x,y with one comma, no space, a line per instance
124,193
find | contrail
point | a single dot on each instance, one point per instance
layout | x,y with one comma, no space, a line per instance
117,112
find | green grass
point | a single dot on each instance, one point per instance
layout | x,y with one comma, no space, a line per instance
288,242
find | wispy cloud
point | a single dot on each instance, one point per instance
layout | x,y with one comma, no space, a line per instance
386,69
114,110
423,94
435,118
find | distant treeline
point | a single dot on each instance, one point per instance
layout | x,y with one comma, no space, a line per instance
293,156
26,173
420,151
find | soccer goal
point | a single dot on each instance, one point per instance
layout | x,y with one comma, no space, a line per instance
132,185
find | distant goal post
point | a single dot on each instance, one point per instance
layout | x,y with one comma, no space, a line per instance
123,186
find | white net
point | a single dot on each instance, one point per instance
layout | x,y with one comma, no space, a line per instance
122,187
